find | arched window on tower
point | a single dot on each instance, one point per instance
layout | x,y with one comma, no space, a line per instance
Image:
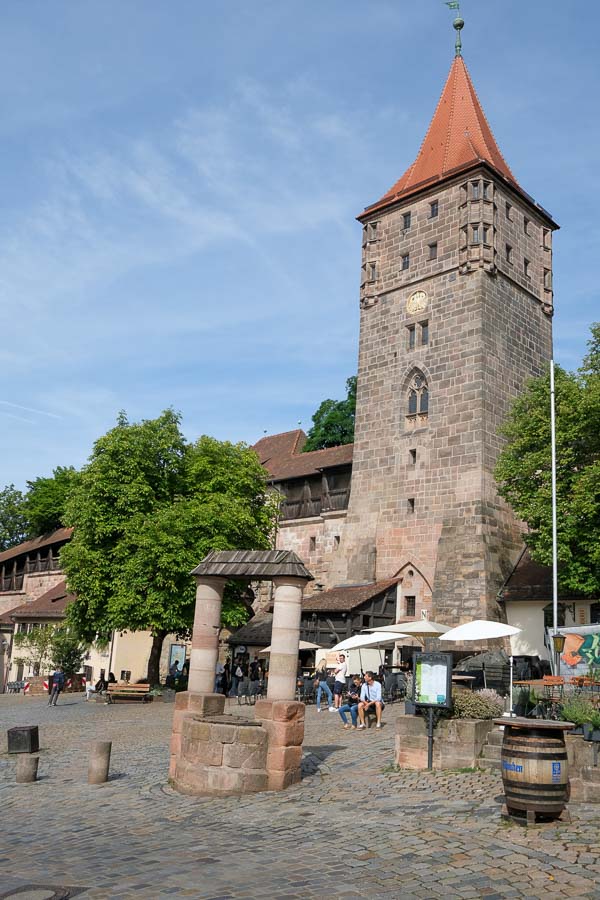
418,401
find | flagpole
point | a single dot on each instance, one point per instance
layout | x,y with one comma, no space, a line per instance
554,513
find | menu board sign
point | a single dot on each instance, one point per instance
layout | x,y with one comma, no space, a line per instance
433,679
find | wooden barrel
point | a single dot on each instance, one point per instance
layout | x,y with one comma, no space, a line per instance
534,766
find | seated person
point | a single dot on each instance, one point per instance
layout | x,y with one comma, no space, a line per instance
99,688
351,704
370,698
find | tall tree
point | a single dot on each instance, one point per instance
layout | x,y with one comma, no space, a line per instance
524,470
333,422
45,501
147,507
13,522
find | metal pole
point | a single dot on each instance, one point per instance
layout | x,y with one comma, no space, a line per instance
430,738
554,515
511,686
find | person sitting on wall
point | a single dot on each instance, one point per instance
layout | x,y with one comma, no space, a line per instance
370,698
100,687
351,704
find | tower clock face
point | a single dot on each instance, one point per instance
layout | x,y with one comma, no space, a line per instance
417,302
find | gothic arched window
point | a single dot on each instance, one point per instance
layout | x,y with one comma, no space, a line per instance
418,400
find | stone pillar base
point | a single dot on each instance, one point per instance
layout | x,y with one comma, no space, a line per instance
283,720
221,756
188,703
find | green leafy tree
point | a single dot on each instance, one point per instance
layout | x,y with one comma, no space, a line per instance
333,422
66,650
13,522
146,508
523,471
34,648
45,501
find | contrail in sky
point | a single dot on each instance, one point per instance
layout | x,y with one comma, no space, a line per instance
18,418
40,412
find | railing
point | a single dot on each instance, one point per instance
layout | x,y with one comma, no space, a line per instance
303,509
11,583
46,564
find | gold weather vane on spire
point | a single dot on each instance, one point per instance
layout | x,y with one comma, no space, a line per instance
458,23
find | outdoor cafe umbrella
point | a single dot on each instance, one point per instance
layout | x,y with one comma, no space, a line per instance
483,630
358,641
420,630
479,630
302,645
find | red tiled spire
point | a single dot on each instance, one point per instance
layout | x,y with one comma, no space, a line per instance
459,136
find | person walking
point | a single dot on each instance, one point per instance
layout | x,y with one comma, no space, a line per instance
58,683
322,686
341,675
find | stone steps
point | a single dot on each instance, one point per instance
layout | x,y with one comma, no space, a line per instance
490,756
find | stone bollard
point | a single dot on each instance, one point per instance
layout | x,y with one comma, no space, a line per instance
99,762
27,767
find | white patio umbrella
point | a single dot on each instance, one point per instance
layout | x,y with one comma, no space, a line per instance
367,640
421,629
479,630
359,641
302,645
483,630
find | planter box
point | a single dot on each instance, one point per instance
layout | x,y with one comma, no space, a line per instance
457,743
584,769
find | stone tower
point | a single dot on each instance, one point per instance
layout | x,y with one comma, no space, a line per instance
456,305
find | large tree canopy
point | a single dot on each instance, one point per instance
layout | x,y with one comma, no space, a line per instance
45,500
37,512
333,422
146,509
13,523
524,474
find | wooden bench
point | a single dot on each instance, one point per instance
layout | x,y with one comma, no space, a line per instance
124,691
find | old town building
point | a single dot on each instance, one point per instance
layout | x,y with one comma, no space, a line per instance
456,307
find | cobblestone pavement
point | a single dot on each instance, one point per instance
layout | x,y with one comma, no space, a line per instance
355,827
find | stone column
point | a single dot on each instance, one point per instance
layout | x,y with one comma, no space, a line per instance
200,698
205,637
283,661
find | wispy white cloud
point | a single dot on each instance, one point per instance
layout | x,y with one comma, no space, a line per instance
40,412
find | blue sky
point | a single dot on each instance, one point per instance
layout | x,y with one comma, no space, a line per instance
180,183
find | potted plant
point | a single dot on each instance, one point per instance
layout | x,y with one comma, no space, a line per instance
583,715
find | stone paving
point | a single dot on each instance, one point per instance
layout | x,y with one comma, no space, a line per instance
355,827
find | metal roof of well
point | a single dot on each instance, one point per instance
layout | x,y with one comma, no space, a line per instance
253,564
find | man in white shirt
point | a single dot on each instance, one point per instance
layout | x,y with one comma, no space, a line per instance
339,685
370,696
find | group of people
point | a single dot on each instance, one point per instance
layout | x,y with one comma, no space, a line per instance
101,686
361,695
229,676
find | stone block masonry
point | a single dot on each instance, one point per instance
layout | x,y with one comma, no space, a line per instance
474,326
221,756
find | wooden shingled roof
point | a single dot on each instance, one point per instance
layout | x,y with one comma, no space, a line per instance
252,564
60,536
282,456
255,633
50,605
345,599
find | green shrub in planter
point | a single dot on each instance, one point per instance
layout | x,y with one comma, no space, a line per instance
579,711
486,704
